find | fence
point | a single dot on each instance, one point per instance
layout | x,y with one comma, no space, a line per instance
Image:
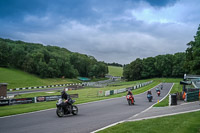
192,96
39,87
112,92
33,99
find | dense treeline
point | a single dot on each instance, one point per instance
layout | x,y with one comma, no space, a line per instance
115,64
48,61
193,55
167,65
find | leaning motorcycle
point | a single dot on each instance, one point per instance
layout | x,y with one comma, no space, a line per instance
64,109
130,99
150,97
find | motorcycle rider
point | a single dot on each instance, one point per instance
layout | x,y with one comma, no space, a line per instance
157,89
161,87
149,93
131,94
68,100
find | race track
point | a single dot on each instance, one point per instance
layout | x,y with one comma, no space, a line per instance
92,116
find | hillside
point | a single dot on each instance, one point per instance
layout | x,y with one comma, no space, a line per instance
115,71
48,61
16,78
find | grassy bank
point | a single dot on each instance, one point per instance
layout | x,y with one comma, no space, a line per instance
85,95
183,123
17,78
115,71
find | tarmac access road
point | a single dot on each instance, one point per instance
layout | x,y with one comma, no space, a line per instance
92,116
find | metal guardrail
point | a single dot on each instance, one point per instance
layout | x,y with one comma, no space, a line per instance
112,92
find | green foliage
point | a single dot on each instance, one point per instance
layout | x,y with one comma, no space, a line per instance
4,54
159,66
49,61
115,64
192,63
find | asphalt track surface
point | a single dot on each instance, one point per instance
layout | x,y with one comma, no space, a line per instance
37,90
91,117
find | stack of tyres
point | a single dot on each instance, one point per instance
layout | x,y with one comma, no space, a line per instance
173,99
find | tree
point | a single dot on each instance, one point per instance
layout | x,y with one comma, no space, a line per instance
193,55
149,69
178,65
4,54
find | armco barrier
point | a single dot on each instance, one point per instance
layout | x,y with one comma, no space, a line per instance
49,86
107,93
32,100
111,92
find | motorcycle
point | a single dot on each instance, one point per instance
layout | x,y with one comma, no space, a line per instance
161,87
64,109
158,92
150,97
130,99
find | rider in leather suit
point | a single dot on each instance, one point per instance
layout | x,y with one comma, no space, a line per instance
68,100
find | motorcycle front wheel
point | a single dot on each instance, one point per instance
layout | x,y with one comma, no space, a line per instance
60,112
129,102
75,110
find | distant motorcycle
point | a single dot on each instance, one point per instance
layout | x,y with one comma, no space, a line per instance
130,99
150,97
158,92
64,109
161,87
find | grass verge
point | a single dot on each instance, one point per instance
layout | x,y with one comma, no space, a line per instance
182,123
17,79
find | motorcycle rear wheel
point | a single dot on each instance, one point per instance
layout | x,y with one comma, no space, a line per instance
150,99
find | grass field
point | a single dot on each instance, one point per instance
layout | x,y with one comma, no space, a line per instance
85,95
115,71
18,79
183,123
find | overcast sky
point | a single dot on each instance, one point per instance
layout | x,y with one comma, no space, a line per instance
110,30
